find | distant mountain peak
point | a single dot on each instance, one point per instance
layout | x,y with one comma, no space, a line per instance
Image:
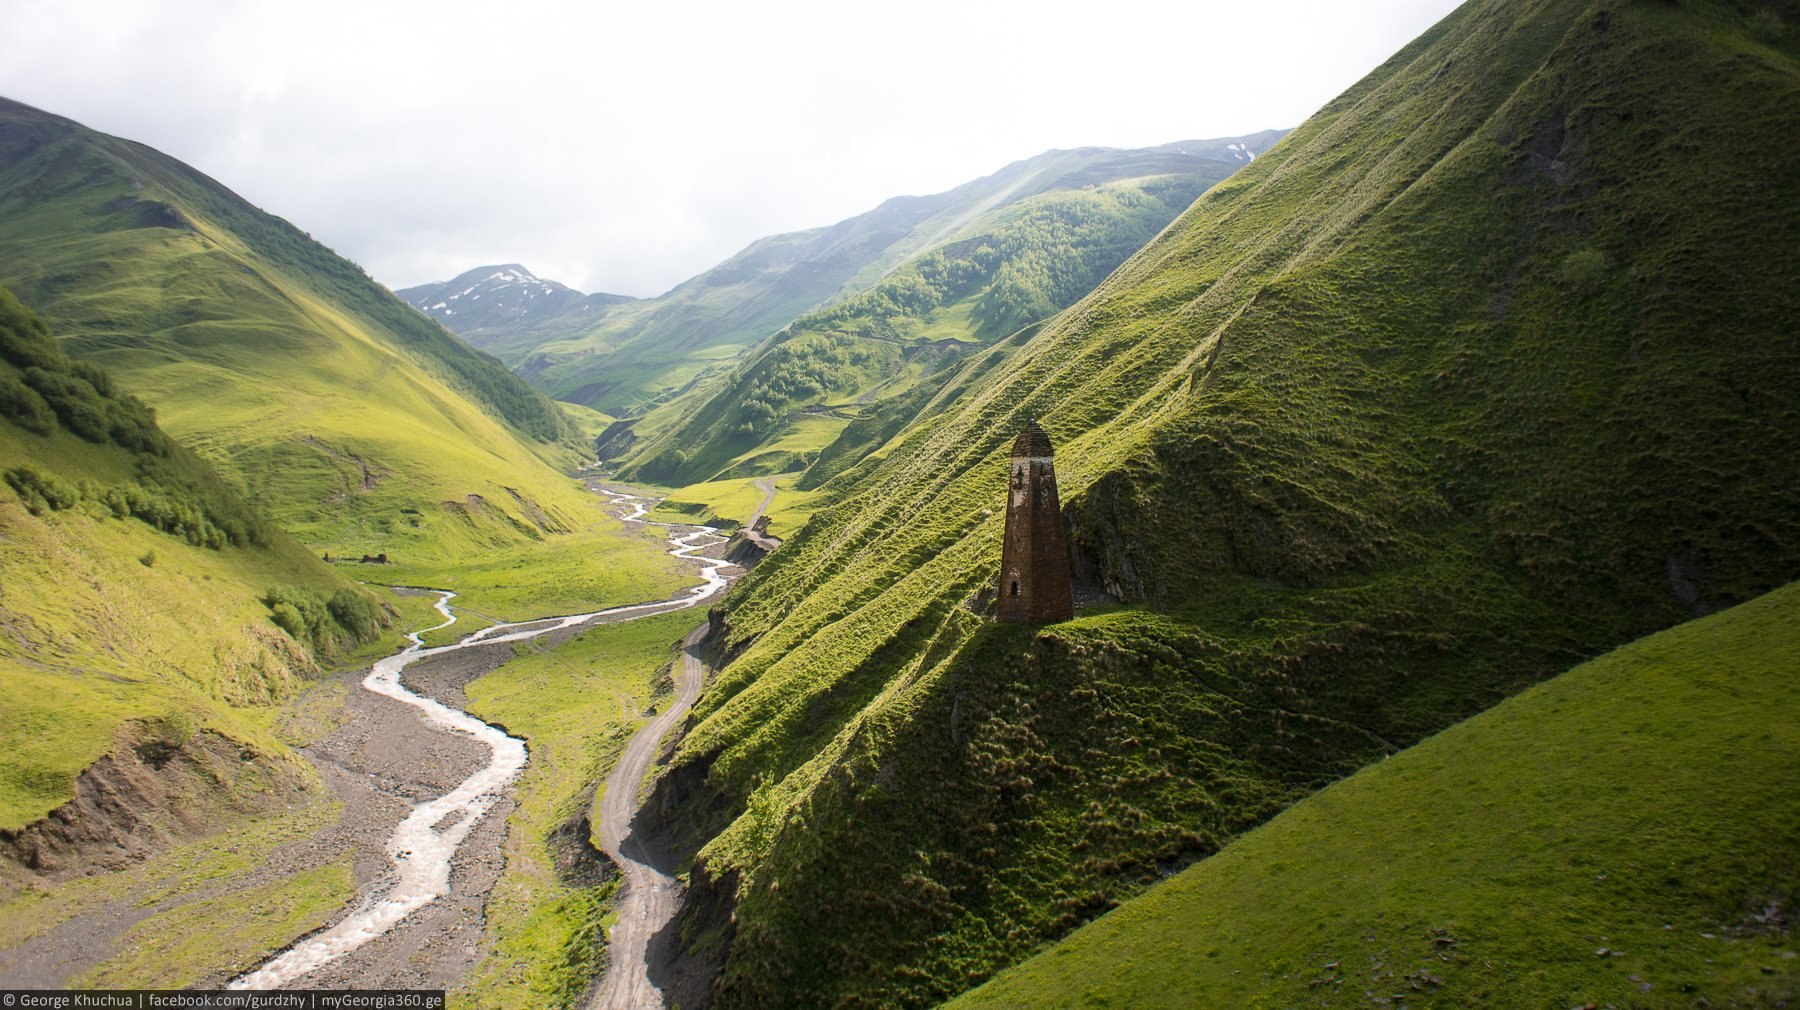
490,301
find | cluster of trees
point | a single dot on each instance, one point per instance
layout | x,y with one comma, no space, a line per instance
803,368
181,509
83,400
42,390
329,625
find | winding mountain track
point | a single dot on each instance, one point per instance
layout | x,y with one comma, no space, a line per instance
651,895
426,848
748,531
767,486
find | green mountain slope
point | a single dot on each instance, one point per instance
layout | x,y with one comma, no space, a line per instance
1620,835
1486,369
832,366
144,606
351,419
645,352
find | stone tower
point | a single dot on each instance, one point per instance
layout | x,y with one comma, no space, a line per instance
1034,565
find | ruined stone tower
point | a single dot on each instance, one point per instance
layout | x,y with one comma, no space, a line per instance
1034,564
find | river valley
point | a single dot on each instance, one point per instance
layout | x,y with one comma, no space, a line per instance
426,790
417,922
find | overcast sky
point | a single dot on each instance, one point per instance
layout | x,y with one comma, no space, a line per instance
625,148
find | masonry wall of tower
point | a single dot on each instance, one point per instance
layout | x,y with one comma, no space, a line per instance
1034,584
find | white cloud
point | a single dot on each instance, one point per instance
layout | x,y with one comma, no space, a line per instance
626,147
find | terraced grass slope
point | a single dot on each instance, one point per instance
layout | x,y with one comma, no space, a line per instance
646,352
1622,835
899,340
146,610
352,420
1488,368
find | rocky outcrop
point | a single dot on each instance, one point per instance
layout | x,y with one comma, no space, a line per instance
578,863
681,815
751,544
617,440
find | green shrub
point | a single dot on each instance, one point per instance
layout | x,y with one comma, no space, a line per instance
132,425
1583,270
329,628
94,376
76,402
289,619
24,339
356,613
25,407
41,492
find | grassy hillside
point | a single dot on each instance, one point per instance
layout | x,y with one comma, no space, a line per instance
729,504
1486,369
645,353
352,420
1009,268
141,600
1620,835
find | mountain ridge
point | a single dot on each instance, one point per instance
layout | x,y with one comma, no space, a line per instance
859,362
623,364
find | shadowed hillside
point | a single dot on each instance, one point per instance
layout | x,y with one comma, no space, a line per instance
1486,369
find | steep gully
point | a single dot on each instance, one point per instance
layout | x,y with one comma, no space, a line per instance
424,847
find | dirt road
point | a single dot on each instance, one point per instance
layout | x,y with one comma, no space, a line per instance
651,896
767,486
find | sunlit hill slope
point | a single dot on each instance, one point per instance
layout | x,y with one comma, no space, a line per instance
1620,835
354,421
871,358
146,611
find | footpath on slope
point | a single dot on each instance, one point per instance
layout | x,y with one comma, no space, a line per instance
750,544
